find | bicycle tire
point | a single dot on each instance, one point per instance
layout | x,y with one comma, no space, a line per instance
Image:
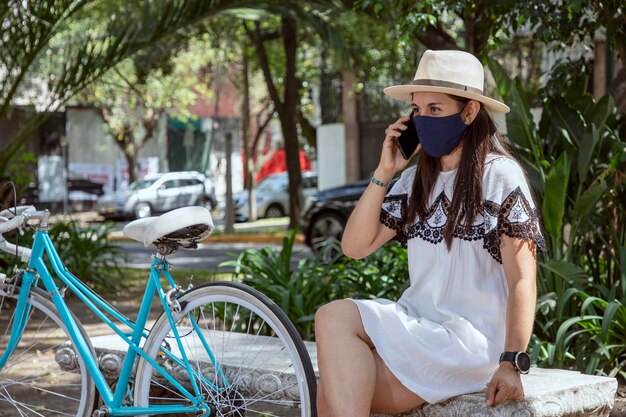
43,376
293,380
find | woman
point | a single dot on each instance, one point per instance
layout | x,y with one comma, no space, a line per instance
466,214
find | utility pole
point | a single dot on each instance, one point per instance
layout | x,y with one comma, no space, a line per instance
228,215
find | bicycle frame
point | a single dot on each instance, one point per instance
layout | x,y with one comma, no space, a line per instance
113,400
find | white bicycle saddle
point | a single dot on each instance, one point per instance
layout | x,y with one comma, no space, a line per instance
182,227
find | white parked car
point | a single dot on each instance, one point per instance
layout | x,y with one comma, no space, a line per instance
158,193
272,196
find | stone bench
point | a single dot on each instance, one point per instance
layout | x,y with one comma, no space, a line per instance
549,392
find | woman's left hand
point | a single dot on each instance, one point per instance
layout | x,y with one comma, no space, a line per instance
505,384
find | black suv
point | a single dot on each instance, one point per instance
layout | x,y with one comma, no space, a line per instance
326,216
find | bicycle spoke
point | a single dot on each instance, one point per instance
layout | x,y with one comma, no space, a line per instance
32,383
228,328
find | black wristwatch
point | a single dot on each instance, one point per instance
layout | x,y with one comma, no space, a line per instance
520,361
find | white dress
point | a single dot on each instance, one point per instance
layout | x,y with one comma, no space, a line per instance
445,334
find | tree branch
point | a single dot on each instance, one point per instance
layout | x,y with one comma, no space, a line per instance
263,60
261,127
438,38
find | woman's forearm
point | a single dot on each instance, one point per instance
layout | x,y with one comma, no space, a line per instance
364,233
520,314
518,258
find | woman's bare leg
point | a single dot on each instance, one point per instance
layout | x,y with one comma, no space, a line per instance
390,396
353,378
346,364
322,405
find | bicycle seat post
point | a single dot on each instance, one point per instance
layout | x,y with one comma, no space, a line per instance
165,248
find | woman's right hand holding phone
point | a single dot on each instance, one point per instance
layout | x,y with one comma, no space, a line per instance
391,159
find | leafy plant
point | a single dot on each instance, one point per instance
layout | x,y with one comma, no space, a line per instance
575,160
298,289
301,288
384,274
86,253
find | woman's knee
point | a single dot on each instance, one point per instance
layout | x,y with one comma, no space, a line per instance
339,315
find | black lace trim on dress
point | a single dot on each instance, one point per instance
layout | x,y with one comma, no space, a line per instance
514,218
396,203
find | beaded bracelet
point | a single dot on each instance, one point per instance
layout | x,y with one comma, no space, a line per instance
377,182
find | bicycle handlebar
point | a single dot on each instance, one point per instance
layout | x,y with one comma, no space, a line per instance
10,213
10,220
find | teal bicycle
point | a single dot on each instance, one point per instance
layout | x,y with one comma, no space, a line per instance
219,349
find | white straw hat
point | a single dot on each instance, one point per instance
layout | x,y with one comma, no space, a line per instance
452,72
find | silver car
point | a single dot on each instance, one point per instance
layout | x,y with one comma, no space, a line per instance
272,196
158,193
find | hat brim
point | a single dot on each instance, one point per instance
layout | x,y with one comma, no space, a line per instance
404,93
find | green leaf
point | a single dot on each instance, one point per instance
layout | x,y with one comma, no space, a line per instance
564,300
566,118
607,319
586,148
601,111
588,200
554,197
566,270
564,335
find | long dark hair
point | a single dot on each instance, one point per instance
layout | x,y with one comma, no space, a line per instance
481,138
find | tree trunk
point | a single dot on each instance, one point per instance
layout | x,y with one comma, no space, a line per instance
132,166
287,109
328,97
618,84
470,33
307,129
245,131
288,120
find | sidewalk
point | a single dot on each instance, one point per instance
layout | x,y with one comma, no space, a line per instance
261,231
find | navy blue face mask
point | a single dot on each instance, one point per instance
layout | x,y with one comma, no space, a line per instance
439,135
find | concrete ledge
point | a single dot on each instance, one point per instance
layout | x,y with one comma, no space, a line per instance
549,392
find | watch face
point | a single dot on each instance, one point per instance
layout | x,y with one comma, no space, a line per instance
522,362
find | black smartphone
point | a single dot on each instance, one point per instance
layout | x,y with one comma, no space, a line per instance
408,140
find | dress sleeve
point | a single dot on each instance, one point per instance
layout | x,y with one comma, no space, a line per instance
509,207
394,209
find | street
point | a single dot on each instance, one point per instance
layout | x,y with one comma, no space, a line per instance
208,255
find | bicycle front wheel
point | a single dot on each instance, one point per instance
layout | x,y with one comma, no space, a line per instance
245,354
43,376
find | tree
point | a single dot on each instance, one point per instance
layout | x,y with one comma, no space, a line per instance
483,26
139,92
285,96
41,47
286,107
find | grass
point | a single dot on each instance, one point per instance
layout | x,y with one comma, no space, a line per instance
135,279
265,230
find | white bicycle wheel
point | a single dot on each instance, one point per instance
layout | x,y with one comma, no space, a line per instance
260,367
43,376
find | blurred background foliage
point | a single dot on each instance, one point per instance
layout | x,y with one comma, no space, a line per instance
86,252
129,58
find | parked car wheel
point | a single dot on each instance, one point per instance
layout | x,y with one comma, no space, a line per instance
325,233
274,210
143,210
209,203
326,216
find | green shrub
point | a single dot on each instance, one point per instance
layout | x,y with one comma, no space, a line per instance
300,289
86,253
575,158
383,274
